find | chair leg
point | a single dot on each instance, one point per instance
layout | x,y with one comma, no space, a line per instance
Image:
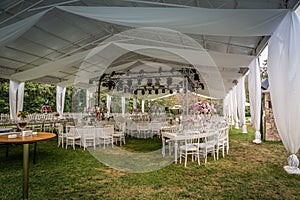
180,155
214,150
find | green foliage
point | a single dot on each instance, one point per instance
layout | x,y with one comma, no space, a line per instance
4,96
35,96
78,100
247,111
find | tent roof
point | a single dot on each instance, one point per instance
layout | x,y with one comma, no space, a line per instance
47,41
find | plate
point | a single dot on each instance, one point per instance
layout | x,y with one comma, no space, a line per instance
12,136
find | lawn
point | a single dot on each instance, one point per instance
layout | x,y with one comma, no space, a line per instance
249,172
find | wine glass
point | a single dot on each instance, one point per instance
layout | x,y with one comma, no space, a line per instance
22,125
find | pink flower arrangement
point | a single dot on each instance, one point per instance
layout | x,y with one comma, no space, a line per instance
202,107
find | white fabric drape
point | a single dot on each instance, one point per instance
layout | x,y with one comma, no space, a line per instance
108,103
254,86
234,22
123,106
234,107
284,79
16,98
143,105
241,99
226,106
231,117
134,103
13,31
89,97
60,99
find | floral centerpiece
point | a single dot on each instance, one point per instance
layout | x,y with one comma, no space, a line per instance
202,107
22,114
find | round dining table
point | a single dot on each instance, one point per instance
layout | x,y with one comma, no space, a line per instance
16,138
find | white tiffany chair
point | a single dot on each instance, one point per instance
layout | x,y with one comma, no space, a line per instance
120,134
88,137
190,147
132,129
72,137
61,135
106,136
155,128
209,144
223,141
144,130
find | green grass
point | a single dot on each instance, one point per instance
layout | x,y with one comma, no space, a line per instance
249,172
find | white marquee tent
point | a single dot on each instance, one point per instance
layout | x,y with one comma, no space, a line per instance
74,42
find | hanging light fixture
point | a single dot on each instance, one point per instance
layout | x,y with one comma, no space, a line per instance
149,91
143,92
139,79
149,82
163,90
202,86
159,69
129,82
156,91
169,81
157,80
120,84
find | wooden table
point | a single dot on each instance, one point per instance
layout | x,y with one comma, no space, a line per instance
26,140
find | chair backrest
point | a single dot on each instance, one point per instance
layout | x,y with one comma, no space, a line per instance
60,129
155,126
192,139
69,127
109,131
98,131
223,133
211,138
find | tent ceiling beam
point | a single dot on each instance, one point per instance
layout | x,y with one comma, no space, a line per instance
21,12
19,61
28,53
262,43
84,46
52,5
54,35
158,3
42,45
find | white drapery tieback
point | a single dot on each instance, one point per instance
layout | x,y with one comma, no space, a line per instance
244,129
257,137
293,163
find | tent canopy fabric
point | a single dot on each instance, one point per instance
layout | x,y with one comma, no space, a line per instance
49,42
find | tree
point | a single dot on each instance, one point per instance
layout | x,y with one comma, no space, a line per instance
35,96
4,95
